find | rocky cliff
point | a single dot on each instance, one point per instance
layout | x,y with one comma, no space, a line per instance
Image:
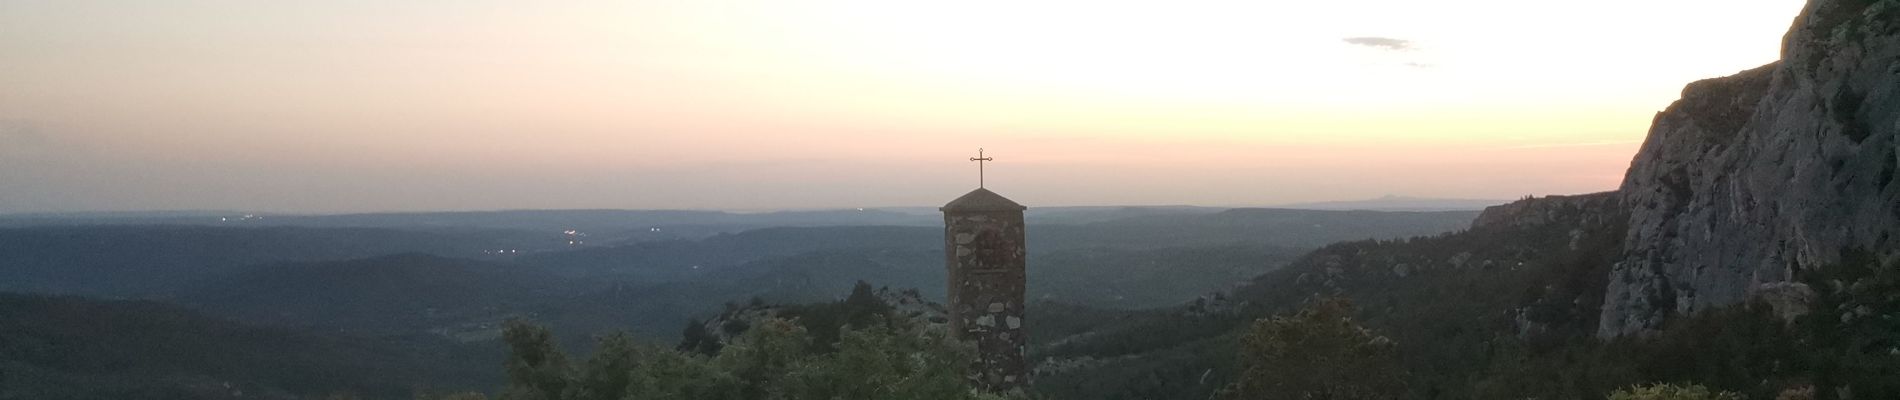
1751,178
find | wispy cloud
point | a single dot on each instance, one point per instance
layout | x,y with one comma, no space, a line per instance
1384,43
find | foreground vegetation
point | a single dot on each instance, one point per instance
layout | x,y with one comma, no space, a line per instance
1321,352
856,348
1497,312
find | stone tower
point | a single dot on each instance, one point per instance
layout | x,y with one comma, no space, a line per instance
983,250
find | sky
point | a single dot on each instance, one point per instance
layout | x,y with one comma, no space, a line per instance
354,105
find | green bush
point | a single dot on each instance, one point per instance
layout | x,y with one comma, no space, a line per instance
1317,353
1662,391
775,359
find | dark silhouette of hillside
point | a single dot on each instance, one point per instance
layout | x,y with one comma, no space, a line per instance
57,347
396,294
153,261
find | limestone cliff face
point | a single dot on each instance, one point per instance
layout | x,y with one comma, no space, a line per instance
1750,178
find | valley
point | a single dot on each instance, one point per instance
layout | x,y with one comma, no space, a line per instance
394,288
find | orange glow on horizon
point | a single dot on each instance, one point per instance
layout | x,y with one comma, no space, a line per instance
361,105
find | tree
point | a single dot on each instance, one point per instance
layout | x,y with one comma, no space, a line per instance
1662,391
885,362
698,340
1318,353
876,356
672,375
863,300
607,375
537,369
452,396
826,322
764,354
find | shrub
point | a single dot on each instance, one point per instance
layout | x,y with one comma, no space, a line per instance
1663,391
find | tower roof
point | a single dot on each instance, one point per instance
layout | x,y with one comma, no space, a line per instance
982,200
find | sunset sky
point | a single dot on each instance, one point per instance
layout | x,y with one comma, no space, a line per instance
348,105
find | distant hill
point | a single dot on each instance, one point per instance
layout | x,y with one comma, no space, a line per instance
1084,215
1400,203
614,227
1095,276
1263,226
387,281
1111,229
396,294
1147,259
121,217
670,260
151,261
75,348
602,226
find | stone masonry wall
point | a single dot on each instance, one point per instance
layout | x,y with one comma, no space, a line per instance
985,257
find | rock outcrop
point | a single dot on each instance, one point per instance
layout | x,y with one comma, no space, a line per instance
1750,178
722,329
1583,210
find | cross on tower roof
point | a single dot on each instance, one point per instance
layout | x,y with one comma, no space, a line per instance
979,159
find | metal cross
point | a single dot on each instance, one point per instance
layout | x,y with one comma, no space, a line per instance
979,159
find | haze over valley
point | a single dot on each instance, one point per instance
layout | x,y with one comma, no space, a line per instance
858,200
